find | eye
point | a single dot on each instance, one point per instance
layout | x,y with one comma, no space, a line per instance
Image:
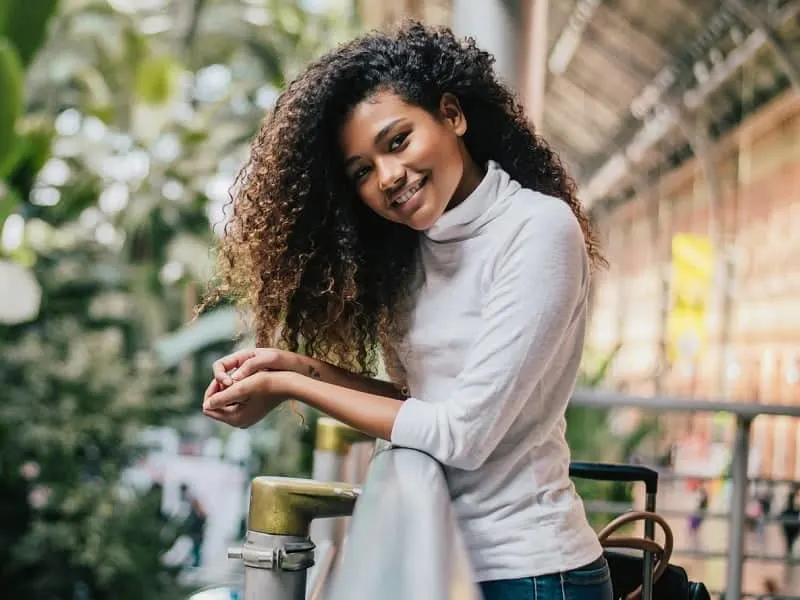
397,141
360,173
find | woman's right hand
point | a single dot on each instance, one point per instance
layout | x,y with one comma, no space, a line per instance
237,366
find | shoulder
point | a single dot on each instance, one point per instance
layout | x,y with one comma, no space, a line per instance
536,221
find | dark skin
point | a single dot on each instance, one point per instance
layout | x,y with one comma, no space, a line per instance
408,166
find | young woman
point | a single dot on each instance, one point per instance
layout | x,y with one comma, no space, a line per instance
397,199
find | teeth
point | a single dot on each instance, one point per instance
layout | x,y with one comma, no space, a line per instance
409,193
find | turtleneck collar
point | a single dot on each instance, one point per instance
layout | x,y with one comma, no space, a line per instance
468,217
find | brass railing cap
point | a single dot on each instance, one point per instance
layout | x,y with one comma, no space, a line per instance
337,437
286,505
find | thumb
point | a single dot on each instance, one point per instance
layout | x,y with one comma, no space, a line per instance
265,360
248,367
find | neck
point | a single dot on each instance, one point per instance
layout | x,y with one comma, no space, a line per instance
472,176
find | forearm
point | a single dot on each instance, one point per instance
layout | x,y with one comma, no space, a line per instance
373,414
343,378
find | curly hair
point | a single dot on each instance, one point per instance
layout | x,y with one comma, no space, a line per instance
321,272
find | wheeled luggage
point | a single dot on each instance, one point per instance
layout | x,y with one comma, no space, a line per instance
649,577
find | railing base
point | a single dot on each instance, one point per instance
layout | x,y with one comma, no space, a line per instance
275,566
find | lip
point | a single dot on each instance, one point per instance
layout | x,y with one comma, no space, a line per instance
422,182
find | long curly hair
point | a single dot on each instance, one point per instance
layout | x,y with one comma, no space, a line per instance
321,272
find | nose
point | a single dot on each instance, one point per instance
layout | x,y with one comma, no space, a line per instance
391,174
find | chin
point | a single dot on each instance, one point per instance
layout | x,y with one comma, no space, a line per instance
424,218
420,222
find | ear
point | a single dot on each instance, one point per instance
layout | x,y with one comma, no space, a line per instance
453,115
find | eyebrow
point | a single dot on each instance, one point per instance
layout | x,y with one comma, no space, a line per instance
377,140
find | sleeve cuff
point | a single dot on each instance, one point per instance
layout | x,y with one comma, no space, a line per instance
414,425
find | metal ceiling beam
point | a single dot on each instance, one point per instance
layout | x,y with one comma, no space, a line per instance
570,37
668,102
756,20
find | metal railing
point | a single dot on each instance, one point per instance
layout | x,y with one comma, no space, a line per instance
403,540
278,551
744,414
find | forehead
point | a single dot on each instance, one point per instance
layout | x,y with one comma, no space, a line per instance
373,114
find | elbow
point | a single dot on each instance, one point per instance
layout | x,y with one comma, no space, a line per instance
449,438
466,462
465,442
467,456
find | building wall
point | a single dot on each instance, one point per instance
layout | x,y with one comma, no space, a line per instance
381,13
759,170
495,24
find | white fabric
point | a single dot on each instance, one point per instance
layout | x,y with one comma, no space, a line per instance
491,358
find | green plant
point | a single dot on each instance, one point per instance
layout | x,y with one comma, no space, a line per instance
590,438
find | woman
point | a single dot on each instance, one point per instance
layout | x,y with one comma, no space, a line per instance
397,198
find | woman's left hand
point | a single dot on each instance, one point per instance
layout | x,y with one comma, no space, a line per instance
247,401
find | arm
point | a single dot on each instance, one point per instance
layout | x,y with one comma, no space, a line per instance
537,293
538,290
373,414
539,286
342,378
244,363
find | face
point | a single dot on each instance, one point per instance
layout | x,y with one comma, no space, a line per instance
406,164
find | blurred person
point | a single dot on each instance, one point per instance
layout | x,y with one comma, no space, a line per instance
790,520
398,198
194,522
698,515
764,495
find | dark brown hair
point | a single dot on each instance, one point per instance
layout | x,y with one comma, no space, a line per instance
320,271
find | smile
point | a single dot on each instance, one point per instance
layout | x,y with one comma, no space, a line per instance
409,192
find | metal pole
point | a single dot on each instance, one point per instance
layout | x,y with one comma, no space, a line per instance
741,451
495,25
275,566
332,443
534,63
277,550
650,534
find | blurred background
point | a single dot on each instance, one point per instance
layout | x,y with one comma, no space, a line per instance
122,126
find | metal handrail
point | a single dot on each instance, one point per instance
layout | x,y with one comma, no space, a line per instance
745,413
403,540
600,398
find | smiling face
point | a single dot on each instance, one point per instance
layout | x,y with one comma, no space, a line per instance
406,164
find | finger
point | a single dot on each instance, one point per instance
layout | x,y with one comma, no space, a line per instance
212,389
236,393
264,360
239,415
225,364
225,415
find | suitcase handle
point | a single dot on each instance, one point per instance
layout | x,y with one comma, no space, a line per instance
616,472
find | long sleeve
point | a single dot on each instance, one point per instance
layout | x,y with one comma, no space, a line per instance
536,293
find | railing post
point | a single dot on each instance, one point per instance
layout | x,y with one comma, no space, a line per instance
741,452
333,441
278,550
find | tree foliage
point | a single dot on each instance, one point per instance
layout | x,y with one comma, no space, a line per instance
122,124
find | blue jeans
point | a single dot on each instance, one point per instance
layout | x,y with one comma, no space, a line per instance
590,582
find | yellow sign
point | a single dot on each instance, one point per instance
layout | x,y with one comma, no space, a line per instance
690,291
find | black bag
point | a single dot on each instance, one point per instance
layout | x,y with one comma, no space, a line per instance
628,570
674,584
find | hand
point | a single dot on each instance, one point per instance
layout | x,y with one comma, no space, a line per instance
245,402
241,364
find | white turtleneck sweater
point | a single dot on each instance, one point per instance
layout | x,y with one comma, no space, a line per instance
491,358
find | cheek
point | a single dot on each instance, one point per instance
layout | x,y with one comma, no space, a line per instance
373,199
450,165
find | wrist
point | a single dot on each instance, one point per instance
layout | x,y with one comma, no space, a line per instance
286,383
310,367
